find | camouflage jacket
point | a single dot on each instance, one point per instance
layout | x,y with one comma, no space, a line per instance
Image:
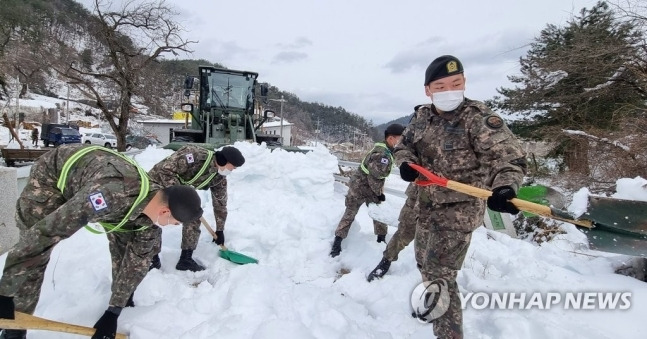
368,180
183,165
111,183
471,145
104,187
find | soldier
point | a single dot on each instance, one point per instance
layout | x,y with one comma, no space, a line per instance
463,140
402,236
367,184
76,184
203,169
34,136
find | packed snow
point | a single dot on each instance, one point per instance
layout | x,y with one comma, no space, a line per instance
283,209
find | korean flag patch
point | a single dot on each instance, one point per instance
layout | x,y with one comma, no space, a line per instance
189,158
384,161
98,201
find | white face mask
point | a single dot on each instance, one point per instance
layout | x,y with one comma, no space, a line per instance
157,222
224,172
448,100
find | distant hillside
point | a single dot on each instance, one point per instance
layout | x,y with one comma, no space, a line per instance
402,121
25,26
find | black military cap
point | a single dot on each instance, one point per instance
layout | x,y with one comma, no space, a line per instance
230,155
442,67
184,203
394,129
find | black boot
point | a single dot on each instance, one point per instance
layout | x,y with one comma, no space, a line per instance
13,334
155,263
336,246
380,270
186,262
131,302
381,238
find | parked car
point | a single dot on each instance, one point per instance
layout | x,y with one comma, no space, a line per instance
138,141
63,135
103,139
58,134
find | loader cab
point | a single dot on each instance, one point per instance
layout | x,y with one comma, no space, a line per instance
228,107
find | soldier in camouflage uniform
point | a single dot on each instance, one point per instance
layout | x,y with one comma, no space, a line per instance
403,235
97,186
366,186
462,140
203,169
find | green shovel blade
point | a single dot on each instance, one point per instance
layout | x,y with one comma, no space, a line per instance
237,258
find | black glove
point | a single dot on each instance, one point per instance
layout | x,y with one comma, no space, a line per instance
381,238
381,197
107,325
499,200
221,238
407,173
7,308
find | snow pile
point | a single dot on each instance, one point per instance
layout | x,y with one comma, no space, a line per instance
283,209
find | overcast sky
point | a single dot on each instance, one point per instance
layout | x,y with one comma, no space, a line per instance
369,56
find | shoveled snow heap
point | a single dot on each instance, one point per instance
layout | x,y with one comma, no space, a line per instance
283,209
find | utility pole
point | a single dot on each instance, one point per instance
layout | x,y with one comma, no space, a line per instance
67,105
317,133
281,112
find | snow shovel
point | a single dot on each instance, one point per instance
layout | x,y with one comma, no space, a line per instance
523,205
233,256
25,321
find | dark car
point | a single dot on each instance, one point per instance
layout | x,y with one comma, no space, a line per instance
138,141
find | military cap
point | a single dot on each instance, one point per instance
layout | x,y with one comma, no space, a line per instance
184,203
230,155
394,129
441,67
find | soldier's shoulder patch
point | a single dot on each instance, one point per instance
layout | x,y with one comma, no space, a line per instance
384,161
98,201
494,121
189,158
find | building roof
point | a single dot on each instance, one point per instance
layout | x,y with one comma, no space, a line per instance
276,123
161,121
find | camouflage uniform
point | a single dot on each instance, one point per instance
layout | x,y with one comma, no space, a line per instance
406,225
366,188
182,166
470,145
101,187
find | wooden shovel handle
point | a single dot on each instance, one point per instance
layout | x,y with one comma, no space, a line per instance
523,205
433,179
213,234
26,321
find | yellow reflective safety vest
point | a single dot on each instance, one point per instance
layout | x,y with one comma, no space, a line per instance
143,189
388,153
204,168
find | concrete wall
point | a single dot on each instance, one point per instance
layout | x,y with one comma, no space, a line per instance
161,128
276,130
9,189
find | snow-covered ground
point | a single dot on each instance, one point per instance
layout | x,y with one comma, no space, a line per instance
283,209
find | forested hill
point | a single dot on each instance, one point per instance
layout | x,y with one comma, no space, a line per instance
30,27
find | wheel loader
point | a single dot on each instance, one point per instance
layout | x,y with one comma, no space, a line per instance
227,107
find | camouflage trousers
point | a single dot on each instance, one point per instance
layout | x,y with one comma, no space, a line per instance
441,248
406,228
353,203
190,235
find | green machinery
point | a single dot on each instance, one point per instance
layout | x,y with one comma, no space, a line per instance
228,110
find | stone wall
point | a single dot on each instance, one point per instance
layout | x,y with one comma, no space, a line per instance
9,189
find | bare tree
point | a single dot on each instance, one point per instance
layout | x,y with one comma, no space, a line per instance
130,39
